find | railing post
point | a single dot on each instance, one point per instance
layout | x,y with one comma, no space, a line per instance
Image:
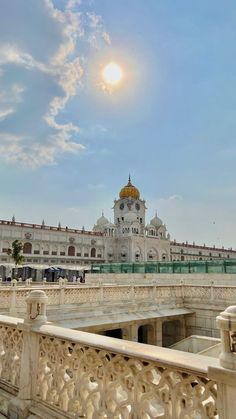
225,374
12,307
212,290
35,317
62,291
182,288
154,292
101,296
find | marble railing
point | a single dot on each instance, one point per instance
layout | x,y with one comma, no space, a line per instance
96,377
77,374
53,372
162,278
12,299
11,341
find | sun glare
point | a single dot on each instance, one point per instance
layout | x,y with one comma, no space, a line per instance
112,74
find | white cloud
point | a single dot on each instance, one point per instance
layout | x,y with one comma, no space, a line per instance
174,197
96,24
5,112
38,79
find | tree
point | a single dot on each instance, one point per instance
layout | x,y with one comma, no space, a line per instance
15,252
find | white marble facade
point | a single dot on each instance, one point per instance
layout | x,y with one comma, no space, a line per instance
128,239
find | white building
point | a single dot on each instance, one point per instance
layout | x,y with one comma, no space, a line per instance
128,239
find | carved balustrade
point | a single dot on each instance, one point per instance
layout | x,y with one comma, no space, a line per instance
12,299
91,376
58,372
10,352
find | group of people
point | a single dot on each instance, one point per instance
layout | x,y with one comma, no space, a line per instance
80,278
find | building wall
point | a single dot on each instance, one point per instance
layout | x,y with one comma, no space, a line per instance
51,245
185,251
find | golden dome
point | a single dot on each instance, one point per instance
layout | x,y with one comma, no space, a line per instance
129,191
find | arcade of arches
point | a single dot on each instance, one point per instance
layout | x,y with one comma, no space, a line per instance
160,332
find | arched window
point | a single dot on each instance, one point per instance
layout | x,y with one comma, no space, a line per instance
71,251
93,252
27,248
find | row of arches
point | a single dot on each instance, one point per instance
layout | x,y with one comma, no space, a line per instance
151,255
28,249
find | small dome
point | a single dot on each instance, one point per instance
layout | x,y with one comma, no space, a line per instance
102,221
231,309
129,191
130,217
156,221
110,225
149,226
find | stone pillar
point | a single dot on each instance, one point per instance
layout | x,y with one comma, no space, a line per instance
134,332
12,309
151,334
158,327
34,318
225,375
131,333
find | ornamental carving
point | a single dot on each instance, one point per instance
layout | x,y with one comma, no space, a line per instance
84,381
71,239
28,236
93,242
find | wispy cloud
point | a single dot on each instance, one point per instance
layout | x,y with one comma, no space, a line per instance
171,198
37,83
5,112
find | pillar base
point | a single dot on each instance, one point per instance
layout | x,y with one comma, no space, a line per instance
18,409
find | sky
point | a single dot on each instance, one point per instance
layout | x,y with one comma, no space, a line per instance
68,142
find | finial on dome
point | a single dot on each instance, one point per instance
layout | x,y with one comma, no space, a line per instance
129,191
102,213
13,219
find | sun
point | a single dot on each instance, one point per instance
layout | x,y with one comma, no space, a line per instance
112,74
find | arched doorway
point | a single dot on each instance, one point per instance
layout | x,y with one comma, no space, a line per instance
146,334
71,251
93,252
27,248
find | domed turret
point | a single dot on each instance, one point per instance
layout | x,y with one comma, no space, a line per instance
102,221
129,191
156,221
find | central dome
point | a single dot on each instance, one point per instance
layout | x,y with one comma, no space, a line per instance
129,191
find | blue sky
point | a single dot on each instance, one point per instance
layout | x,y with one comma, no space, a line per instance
67,145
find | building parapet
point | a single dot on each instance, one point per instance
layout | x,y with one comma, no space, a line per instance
47,227
204,247
13,298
